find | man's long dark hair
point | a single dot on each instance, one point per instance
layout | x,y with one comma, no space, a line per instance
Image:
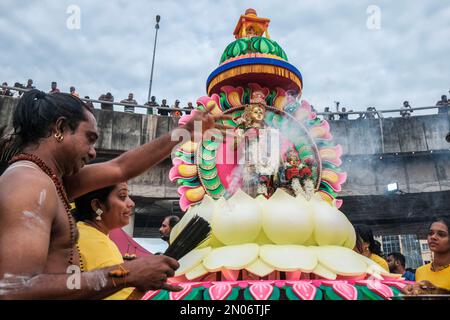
34,116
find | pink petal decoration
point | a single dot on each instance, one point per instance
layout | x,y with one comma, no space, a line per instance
185,118
380,289
304,290
234,95
187,287
261,291
184,202
274,275
256,87
150,294
330,283
210,277
346,291
179,279
174,174
293,276
230,275
397,284
220,291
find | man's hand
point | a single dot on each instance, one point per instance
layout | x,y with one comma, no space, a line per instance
205,121
151,273
423,287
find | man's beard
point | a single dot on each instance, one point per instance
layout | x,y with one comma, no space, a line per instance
165,238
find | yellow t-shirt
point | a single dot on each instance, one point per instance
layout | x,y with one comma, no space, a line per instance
380,261
98,251
440,278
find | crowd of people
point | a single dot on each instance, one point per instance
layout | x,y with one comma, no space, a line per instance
164,109
153,107
442,105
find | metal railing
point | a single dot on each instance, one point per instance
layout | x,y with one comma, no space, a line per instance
108,102
377,112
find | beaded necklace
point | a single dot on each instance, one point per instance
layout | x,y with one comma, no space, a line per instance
437,269
62,195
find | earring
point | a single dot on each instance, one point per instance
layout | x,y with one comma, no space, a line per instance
59,137
99,214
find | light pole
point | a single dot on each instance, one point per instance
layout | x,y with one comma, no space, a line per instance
153,60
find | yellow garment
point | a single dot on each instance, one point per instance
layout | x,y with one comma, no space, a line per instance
98,251
380,261
440,279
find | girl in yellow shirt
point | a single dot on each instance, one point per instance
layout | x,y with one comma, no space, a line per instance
438,271
368,246
97,213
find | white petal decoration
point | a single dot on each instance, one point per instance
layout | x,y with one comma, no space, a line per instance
375,269
287,220
231,257
351,238
340,260
198,271
330,225
323,272
237,220
288,257
191,260
260,268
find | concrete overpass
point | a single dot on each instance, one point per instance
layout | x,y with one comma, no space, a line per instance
410,151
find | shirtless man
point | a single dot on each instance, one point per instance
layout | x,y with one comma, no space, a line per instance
37,233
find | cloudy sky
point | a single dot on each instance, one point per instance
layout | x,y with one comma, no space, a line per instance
346,50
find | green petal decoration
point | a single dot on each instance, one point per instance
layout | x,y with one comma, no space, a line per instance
256,44
271,97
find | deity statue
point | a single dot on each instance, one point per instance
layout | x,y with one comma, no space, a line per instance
258,151
297,175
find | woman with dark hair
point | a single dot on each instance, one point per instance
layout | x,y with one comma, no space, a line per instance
98,212
368,246
438,271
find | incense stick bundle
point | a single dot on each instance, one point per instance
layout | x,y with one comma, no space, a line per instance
194,233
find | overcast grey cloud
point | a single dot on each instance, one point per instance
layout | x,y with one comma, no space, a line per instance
341,59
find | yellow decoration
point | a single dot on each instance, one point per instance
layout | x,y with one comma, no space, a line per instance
288,257
250,25
342,261
287,220
195,194
187,170
191,260
198,271
330,225
280,102
255,68
260,268
231,257
323,272
216,110
329,176
351,239
233,99
237,220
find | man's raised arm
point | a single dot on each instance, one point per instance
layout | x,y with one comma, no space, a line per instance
135,162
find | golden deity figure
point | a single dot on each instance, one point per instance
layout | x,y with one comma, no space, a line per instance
258,151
